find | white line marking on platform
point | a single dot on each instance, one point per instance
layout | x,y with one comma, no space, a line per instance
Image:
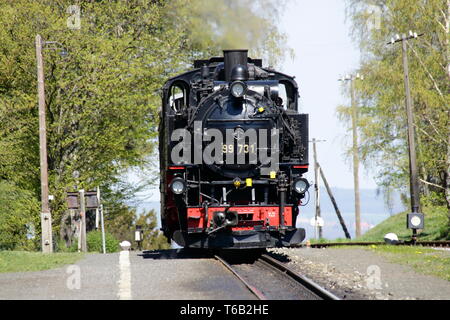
125,276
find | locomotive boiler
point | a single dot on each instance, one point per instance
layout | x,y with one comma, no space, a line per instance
233,149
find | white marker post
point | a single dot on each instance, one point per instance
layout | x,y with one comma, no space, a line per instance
103,229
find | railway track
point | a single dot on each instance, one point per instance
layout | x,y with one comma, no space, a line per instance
268,279
439,244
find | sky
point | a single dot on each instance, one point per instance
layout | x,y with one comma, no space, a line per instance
319,35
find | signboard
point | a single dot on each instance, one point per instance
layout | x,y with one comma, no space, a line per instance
91,200
72,200
319,222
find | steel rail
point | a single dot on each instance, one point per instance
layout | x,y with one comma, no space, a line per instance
252,289
301,279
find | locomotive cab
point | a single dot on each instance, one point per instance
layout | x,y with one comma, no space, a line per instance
233,151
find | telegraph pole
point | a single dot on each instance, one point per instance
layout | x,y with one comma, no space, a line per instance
413,172
46,218
411,141
317,229
333,200
355,152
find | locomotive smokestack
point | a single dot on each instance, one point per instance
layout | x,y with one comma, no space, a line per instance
233,58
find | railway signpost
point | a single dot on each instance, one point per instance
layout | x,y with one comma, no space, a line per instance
83,201
354,115
317,222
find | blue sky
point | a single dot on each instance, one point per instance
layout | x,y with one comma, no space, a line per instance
324,51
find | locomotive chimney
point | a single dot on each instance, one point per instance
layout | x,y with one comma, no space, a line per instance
233,58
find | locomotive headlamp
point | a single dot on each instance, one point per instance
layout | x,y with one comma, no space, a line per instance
238,89
301,185
178,186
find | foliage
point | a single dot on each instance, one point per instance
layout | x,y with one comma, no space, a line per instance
123,225
233,24
381,95
95,244
120,222
153,238
102,99
20,261
19,215
62,247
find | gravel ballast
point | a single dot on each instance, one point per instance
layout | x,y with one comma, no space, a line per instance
354,273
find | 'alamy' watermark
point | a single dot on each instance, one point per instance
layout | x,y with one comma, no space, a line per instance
239,146
374,14
74,20
373,280
73,281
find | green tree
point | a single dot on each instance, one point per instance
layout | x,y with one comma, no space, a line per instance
122,222
214,25
382,115
17,218
102,98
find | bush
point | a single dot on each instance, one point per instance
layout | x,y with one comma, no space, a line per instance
19,218
94,242
61,246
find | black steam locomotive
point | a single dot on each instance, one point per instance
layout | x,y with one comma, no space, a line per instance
233,149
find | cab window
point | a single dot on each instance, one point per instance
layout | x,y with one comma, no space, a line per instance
178,97
289,95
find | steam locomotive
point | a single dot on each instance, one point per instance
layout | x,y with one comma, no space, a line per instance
233,149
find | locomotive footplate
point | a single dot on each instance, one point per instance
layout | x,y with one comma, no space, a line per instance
242,239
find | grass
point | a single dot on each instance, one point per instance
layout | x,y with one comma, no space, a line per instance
436,224
21,261
323,240
422,260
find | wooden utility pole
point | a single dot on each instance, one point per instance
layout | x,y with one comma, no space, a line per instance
317,229
333,200
46,218
414,182
355,161
355,152
447,179
413,172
